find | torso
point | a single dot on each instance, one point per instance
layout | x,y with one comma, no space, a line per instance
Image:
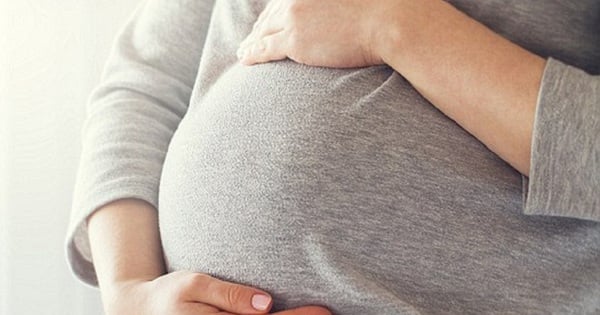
345,188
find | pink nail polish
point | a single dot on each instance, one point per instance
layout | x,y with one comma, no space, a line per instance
260,301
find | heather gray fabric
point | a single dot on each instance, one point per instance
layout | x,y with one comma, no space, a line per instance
567,128
345,188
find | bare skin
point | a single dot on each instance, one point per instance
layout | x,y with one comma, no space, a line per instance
128,259
484,82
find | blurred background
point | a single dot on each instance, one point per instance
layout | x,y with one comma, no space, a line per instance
51,56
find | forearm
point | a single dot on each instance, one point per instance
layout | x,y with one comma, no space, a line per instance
484,82
125,243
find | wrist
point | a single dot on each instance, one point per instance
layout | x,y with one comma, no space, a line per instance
408,27
383,31
125,243
114,288
114,293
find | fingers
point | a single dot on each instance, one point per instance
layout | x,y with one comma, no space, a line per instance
256,37
269,21
263,43
226,296
269,48
305,310
264,14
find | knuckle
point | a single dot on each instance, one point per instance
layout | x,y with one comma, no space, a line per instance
194,282
234,295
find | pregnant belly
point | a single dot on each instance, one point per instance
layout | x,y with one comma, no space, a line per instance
271,184
335,188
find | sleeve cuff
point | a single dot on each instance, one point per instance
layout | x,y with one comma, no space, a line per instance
564,176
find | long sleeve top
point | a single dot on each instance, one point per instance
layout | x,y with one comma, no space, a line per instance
345,187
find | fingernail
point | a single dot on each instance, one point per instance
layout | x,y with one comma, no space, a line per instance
260,301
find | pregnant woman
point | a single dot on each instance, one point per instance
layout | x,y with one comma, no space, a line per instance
345,157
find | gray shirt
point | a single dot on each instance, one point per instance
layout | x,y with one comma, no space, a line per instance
344,187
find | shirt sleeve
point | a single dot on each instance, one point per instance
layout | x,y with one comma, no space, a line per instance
132,114
565,159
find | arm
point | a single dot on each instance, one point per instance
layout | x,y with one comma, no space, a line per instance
113,240
133,113
509,98
473,75
131,272
125,242
542,117
125,245
484,82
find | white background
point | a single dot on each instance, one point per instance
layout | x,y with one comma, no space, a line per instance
51,56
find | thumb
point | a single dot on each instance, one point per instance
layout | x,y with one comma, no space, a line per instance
269,48
224,295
